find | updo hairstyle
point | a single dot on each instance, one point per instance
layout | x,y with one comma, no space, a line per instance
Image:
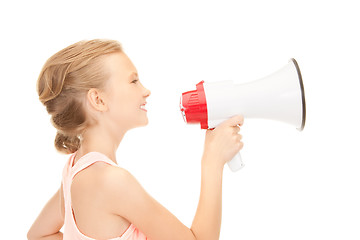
63,83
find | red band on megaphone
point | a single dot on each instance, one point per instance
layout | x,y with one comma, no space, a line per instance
194,106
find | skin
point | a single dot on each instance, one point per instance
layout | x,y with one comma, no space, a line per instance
112,194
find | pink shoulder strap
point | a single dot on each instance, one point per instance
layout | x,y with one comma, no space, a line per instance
87,160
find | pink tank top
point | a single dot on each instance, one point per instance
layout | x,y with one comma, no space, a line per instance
71,231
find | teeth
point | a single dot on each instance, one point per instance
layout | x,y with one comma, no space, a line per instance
143,107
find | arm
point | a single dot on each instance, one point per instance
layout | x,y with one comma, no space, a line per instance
207,220
221,145
50,220
128,199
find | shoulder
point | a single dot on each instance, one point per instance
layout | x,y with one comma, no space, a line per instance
121,191
110,186
115,179
101,178
118,182
106,178
101,173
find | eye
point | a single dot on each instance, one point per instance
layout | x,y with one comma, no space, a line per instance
134,81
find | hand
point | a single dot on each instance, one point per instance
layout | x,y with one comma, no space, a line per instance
222,143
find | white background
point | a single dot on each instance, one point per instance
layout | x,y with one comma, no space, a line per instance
296,185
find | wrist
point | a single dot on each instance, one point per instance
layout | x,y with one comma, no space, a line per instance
211,165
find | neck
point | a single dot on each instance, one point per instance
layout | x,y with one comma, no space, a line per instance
100,139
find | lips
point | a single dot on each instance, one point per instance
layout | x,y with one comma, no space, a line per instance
143,107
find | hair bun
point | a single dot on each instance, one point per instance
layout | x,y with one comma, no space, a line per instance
69,144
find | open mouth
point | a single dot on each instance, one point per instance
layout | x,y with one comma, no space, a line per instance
143,107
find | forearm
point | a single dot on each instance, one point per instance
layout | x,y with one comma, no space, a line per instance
50,220
207,221
55,236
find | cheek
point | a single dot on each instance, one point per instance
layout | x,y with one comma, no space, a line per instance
123,106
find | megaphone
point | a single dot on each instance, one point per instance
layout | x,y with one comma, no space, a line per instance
279,96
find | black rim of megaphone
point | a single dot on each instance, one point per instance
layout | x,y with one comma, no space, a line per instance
302,94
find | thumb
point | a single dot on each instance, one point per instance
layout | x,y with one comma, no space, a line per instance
234,121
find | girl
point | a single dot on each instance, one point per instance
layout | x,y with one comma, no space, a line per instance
92,91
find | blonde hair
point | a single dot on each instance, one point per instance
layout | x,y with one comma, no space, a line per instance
63,83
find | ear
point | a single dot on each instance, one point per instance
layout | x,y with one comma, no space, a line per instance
96,100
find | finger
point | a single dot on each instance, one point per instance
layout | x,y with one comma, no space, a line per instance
240,145
236,129
237,137
234,121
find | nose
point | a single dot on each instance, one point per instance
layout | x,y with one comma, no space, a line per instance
147,92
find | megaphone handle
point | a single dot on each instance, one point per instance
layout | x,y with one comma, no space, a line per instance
236,163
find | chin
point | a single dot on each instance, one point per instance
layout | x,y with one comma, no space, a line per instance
146,122
143,123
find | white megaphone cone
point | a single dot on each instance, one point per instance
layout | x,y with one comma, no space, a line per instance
279,96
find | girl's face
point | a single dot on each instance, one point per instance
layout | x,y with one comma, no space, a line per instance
126,96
